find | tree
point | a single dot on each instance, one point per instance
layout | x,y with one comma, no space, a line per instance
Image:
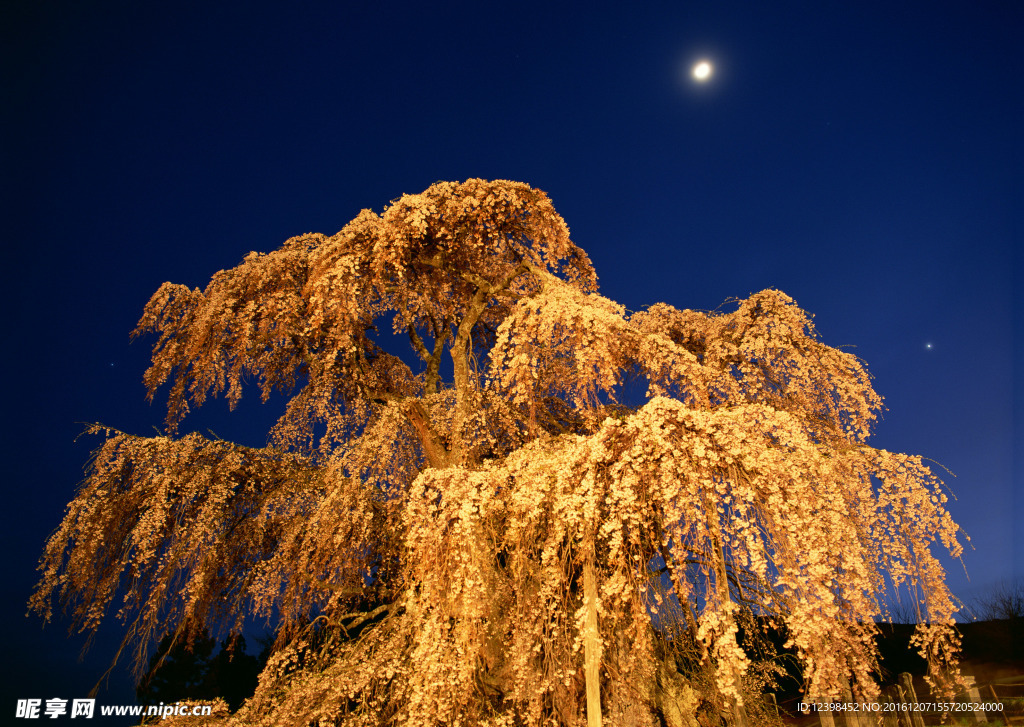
181,670
496,535
1004,601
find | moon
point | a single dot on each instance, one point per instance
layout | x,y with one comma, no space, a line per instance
702,71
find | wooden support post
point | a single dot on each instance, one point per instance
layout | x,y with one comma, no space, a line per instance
910,699
902,714
739,715
995,698
592,641
825,719
889,717
973,696
852,718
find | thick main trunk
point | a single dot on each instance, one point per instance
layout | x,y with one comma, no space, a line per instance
464,383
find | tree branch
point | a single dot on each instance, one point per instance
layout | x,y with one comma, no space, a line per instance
417,342
437,455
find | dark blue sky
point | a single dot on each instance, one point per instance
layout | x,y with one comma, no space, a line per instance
862,157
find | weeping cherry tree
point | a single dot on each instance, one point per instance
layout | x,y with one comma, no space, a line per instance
486,530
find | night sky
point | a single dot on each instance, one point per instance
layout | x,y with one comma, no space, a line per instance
864,158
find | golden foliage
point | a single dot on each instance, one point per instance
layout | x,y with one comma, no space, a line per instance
418,542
